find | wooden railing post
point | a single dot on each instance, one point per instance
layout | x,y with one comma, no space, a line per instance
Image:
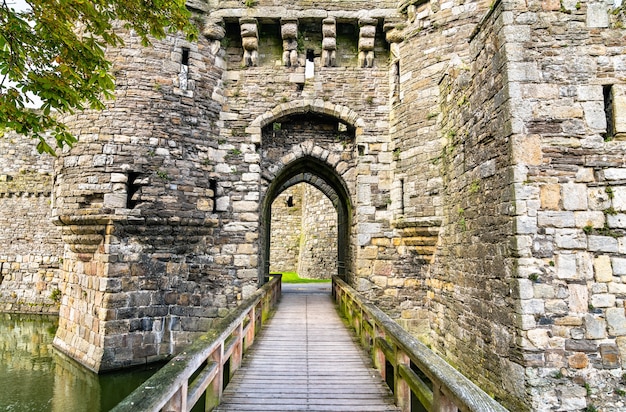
441,403
402,391
237,354
251,333
214,390
178,402
395,353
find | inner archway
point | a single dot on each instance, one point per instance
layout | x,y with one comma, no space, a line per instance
324,178
304,233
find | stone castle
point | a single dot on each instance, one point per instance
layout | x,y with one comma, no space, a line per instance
473,152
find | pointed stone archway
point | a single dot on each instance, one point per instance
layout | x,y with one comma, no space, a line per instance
322,176
309,156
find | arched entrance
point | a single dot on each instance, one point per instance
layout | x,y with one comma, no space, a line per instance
314,142
319,174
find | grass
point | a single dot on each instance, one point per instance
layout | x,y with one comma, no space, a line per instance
292,277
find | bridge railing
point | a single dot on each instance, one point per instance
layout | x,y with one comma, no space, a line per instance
207,365
417,377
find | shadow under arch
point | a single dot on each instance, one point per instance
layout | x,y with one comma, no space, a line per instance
319,174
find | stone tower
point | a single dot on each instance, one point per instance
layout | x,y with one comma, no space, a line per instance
473,151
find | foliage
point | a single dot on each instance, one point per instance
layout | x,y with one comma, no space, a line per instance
53,51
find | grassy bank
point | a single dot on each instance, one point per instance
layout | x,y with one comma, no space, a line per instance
292,277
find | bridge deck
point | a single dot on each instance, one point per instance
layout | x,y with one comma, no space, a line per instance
306,360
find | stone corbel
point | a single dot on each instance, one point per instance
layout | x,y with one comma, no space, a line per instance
250,40
367,36
329,42
289,33
83,234
394,36
214,29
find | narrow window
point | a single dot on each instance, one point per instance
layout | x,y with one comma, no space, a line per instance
290,201
402,196
183,76
213,189
309,68
185,58
361,149
132,190
396,79
607,91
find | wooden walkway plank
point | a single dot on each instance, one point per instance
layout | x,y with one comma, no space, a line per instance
305,359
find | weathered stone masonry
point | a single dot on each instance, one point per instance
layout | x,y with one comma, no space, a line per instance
31,247
473,153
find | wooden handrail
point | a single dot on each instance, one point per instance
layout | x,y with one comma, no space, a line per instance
397,353
170,388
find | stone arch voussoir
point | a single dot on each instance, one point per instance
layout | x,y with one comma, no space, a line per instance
341,113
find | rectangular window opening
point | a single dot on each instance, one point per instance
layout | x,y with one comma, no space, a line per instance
185,58
607,91
402,196
396,79
213,188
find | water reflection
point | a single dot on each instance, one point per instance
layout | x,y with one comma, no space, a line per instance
35,377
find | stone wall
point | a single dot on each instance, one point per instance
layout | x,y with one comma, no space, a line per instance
287,212
569,200
318,253
304,233
136,199
472,311
472,153
30,245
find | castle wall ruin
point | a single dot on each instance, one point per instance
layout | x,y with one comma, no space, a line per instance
473,153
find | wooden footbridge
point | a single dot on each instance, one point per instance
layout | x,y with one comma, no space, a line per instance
304,358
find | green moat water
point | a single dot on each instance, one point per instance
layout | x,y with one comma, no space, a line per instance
35,377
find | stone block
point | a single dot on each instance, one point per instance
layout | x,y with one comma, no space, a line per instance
556,219
581,345
615,173
574,196
573,398
578,361
595,116
578,298
598,199
543,291
595,327
538,337
610,356
593,219
619,266
619,198
619,113
603,270
523,288
532,306
525,225
602,244
570,239
620,341
597,15
603,300
574,266
616,321
617,288
617,221
115,200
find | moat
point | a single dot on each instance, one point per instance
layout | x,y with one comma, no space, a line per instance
36,377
